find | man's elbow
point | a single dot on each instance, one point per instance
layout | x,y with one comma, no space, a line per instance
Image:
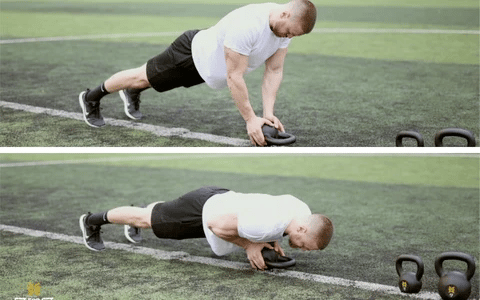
234,77
211,225
276,70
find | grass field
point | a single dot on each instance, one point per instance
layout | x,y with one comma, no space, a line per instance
345,88
382,206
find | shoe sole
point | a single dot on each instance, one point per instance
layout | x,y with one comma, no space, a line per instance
84,110
84,233
125,105
125,230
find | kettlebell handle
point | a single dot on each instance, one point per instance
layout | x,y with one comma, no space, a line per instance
460,132
413,258
278,261
467,258
410,134
277,138
282,140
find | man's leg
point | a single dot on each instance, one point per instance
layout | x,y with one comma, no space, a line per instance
131,82
139,217
132,217
160,72
133,79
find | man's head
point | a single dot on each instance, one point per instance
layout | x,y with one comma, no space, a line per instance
295,18
312,232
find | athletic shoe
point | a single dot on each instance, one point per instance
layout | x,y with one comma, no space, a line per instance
91,111
133,234
91,235
131,103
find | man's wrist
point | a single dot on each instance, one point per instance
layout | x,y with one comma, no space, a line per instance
268,116
242,242
247,244
250,117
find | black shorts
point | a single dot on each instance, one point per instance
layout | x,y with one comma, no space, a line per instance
174,67
182,218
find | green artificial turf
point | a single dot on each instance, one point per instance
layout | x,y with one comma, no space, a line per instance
345,89
378,213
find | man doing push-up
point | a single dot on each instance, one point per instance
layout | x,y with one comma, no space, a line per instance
230,221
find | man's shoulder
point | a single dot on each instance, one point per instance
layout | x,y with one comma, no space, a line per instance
252,10
220,199
261,5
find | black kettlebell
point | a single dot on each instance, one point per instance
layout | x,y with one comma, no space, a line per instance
274,260
466,134
410,134
455,284
410,282
273,137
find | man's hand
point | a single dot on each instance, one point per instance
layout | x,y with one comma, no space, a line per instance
276,122
254,255
278,249
254,130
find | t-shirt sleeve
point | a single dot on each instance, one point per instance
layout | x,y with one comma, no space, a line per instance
260,227
285,43
240,38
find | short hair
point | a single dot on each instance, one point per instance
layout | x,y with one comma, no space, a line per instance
306,12
321,230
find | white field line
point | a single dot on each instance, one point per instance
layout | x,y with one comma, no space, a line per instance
395,30
89,37
170,34
114,159
183,256
156,130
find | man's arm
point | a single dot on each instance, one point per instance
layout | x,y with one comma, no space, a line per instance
236,66
226,228
272,79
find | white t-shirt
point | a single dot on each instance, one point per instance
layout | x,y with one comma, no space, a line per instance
261,218
245,30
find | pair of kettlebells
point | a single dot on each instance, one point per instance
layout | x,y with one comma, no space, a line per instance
458,132
452,285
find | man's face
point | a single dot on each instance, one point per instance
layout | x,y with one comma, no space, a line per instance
287,28
302,241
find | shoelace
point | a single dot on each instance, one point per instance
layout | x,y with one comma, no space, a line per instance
95,230
134,97
135,100
94,109
135,229
137,103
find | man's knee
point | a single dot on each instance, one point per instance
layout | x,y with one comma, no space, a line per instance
148,214
141,80
143,220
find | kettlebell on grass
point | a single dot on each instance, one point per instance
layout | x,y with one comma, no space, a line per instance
410,282
459,132
455,284
273,137
273,260
409,134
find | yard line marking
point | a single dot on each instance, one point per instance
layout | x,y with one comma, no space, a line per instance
184,256
171,34
394,30
114,159
156,130
89,37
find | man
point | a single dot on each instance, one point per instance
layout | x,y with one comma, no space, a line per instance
220,56
229,220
